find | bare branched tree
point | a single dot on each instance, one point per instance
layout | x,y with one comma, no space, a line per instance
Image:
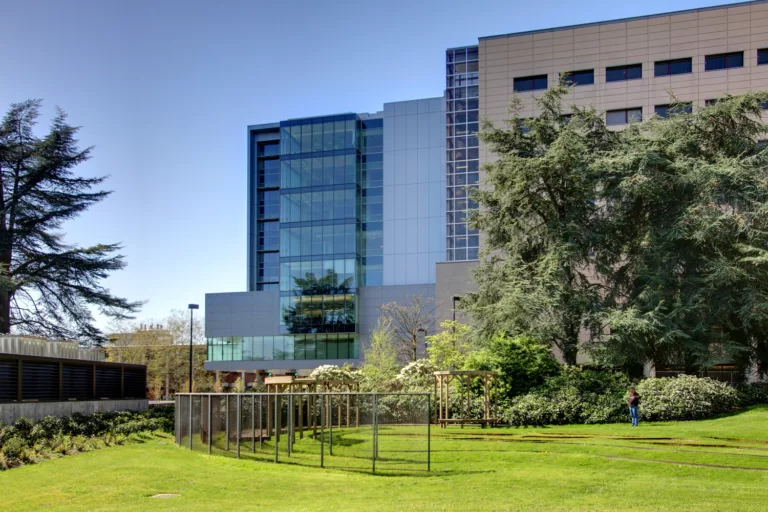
410,323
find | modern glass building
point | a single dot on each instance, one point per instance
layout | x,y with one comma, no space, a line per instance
351,211
346,213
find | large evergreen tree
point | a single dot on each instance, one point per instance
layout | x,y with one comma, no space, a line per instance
539,217
48,287
686,231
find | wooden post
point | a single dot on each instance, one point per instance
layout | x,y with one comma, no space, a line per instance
301,414
348,417
469,399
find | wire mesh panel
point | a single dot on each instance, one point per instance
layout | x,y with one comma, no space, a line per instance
380,432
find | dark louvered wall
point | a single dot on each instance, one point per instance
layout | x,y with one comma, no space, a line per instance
9,374
40,381
134,382
77,382
50,379
107,382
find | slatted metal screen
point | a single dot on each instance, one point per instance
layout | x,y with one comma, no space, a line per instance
32,378
379,432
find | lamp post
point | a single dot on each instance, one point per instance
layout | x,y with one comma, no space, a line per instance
192,308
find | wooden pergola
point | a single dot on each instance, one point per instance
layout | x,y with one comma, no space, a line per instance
443,393
291,384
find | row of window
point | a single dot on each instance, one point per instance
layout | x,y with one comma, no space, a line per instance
318,171
318,240
310,138
317,206
343,271
635,71
307,314
634,114
277,348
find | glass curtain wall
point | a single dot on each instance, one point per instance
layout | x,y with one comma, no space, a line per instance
267,208
372,205
319,226
278,348
462,151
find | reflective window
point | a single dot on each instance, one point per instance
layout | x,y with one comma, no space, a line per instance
621,73
530,83
762,56
724,61
586,77
269,204
624,116
665,111
673,67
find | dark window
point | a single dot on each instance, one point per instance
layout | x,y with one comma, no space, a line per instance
269,204
665,111
586,77
621,73
762,56
530,83
624,116
724,61
709,103
673,67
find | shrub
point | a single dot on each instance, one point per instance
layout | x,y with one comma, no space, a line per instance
522,362
684,398
574,396
418,375
13,449
29,442
754,393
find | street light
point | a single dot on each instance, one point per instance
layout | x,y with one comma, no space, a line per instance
192,308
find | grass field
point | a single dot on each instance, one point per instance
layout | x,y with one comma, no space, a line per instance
719,464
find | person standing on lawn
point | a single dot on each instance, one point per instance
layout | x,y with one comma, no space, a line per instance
634,403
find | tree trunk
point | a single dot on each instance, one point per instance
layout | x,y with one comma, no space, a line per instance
5,295
167,386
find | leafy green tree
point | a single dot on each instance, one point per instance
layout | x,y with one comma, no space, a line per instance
48,287
522,362
448,349
539,217
684,256
380,358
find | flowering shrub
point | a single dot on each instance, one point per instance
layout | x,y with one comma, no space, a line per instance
684,398
333,372
418,375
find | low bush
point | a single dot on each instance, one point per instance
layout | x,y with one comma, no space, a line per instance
27,442
754,393
587,396
574,396
684,397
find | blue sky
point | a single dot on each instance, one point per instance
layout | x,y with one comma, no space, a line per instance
164,90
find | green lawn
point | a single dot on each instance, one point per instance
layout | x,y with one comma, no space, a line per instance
719,464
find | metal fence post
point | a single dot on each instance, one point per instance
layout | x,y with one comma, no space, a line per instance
429,432
239,422
210,423
289,424
373,431
277,426
190,422
330,425
226,412
253,424
322,435
261,421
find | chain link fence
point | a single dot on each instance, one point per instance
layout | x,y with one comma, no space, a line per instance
378,432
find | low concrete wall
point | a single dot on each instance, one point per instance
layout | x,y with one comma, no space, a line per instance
38,410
